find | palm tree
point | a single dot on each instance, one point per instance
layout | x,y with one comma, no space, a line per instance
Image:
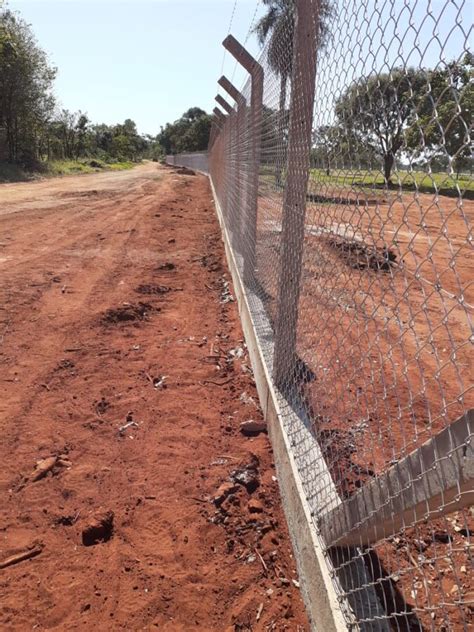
277,28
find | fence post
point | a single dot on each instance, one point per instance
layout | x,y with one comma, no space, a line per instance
221,171
214,132
232,140
255,134
294,204
220,116
224,164
231,90
224,105
241,189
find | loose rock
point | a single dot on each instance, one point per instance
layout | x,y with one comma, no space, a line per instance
251,427
248,475
225,490
43,466
99,529
255,506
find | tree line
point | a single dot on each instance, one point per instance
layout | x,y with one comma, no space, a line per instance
34,128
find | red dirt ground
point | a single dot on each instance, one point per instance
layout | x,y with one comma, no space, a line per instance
110,282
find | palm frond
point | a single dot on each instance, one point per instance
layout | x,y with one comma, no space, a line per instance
266,24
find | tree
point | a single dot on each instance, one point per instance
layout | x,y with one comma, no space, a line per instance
425,113
337,148
26,101
63,129
82,133
444,118
378,110
189,133
277,27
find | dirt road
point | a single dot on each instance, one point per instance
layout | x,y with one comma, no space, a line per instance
123,381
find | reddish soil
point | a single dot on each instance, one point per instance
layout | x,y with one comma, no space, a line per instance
120,410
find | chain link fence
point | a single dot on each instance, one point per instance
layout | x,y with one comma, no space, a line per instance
342,170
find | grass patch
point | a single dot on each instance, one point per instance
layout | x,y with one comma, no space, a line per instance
369,180
14,173
72,167
372,182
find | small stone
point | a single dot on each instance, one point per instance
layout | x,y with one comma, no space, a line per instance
43,466
255,506
99,528
251,427
248,475
420,545
442,536
225,490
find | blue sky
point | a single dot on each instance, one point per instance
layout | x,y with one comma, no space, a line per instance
149,60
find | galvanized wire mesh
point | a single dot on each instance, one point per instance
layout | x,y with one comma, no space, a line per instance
382,356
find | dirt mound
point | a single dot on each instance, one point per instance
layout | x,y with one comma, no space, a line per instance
360,256
127,313
80,194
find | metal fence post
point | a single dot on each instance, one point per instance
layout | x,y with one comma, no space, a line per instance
255,134
294,205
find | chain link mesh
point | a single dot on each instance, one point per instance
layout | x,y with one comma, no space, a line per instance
382,360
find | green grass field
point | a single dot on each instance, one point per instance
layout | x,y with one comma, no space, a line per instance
369,180
14,173
373,183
